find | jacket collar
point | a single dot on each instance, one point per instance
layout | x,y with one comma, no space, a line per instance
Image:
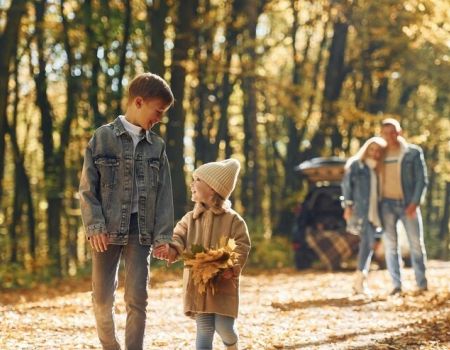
200,208
119,129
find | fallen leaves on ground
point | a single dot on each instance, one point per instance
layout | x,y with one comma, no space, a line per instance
286,310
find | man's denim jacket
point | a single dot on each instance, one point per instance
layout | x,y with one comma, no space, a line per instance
106,186
413,174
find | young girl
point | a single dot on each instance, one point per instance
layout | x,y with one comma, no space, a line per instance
208,224
360,192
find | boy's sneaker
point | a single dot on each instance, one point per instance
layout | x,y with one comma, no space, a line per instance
396,291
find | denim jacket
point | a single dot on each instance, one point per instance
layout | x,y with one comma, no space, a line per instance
413,172
106,186
356,188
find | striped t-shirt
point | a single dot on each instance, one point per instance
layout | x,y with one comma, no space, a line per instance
392,184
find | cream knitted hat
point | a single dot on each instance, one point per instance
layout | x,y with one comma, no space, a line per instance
220,176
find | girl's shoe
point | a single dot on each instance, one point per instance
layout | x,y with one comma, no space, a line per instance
360,283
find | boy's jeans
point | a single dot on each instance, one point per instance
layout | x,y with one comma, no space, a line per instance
105,268
207,324
391,212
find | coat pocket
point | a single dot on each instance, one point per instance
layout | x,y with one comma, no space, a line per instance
108,168
153,171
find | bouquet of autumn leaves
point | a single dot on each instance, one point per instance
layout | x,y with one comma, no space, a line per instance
207,264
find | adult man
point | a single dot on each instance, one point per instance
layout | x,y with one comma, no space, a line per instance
404,182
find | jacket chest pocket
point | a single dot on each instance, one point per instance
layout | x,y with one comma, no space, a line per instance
108,169
153,171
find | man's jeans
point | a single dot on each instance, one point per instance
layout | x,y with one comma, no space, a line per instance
105,267
391,212
208,324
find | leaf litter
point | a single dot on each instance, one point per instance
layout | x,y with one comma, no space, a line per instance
279,310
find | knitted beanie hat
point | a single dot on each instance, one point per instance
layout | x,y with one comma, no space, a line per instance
220,176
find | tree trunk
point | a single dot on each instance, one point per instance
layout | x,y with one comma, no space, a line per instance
203,56
175,127
8,44
291,180
444,232
336,72
156,13
22,188
92,48
123,55
429,208
252,183
227,84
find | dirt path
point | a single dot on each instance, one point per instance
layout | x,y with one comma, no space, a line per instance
308,310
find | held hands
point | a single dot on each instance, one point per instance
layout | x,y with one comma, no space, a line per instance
165,252
99,242
161,251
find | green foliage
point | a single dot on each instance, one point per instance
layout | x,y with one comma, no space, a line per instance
270,253
13,275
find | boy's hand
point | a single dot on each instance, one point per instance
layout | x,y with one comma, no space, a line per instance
99,242
161,251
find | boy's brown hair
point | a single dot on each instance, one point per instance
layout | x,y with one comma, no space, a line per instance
150,86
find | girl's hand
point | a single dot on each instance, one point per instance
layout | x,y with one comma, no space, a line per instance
228,274
173,254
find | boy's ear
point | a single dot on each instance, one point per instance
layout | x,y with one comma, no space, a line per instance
139,101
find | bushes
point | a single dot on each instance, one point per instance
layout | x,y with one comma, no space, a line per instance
270,253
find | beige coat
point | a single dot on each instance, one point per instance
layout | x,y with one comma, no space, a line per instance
207,227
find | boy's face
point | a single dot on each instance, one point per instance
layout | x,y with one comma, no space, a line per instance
201,192
149,112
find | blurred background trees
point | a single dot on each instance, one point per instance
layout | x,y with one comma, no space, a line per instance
271,83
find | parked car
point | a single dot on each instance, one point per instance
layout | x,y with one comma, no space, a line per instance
321,208
320,229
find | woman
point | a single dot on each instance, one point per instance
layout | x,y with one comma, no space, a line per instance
360,192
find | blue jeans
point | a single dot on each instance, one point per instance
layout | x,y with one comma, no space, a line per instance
365,252
207,324
391,212
105,267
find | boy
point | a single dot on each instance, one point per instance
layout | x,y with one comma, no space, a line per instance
127,206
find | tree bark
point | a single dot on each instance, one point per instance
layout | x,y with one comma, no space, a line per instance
156,14
22,188
336,72
444,232
8,44
251,184
175,127
123,55
92,48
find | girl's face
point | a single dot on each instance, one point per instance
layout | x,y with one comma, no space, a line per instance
374,151
201,192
